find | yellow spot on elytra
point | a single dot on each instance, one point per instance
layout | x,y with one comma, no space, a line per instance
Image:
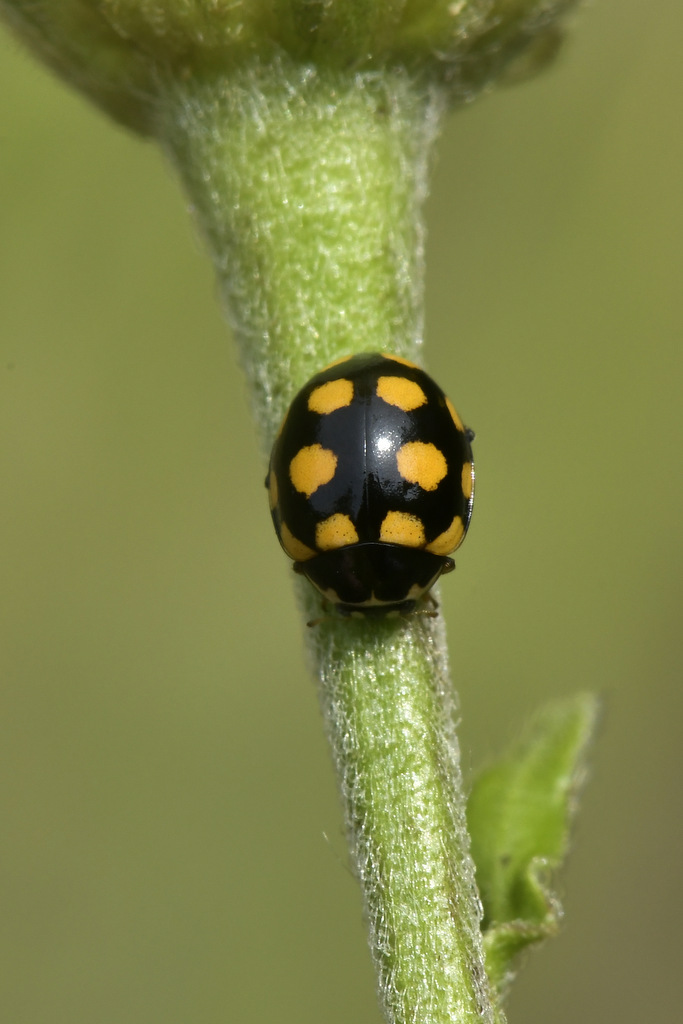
312,467
456,419
295,548
422,464
272,489
402,528
449,540
403,362
468,480
400,391
335,394
335,532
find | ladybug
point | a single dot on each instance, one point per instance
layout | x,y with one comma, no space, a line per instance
371,484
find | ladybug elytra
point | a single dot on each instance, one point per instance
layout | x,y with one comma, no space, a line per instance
371,484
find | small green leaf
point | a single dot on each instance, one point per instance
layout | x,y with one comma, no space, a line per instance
519,813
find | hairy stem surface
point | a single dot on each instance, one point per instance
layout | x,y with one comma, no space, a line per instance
307,184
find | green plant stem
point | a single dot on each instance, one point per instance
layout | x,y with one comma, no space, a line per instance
307,184
389,706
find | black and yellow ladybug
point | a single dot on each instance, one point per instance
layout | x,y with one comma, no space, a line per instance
371,484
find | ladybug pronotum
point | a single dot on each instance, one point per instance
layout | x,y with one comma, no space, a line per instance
371,484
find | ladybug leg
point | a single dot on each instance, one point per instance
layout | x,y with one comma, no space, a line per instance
427,613
430,613
325,617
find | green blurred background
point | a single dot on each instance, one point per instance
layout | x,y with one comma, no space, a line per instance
171,842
